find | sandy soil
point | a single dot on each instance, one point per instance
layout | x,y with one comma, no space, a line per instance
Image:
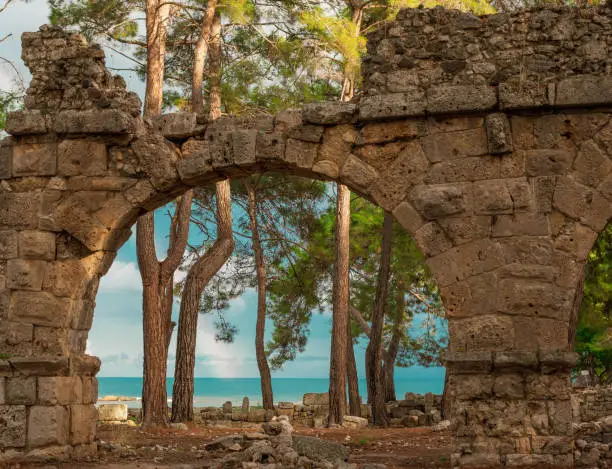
125,447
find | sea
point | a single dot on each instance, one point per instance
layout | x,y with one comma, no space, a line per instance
216,391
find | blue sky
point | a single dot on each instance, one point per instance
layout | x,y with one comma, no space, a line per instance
116,335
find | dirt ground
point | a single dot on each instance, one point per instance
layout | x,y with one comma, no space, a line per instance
124,447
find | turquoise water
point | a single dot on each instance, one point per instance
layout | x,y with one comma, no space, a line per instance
215,391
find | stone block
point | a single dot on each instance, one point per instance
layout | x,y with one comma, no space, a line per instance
20,391
83,419
592,164
40,308
545,162
459,98
350,421
197,167
82,157
482,333
492,197
2,392
584,90
509,386
521,224
555,386
157,157
12,426
499,135
26,122
528,460
175,124
458,144
576,240
321,399
25,274
531,297
464,170
357,174
468,387
74,217
34,159
16,339
461,230
301,154
84,365
244,145
408,217
524,95
6,158
66,278
40,366
441,200
515,361
394,183
113,412
381,132
462,362
432,240
94,121
8,244
581,203
307,133
270,146
47,425
287,119
392,105
329,113
60,390
52,341
532,333
37,245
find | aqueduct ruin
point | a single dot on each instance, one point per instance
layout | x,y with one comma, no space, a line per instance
488,138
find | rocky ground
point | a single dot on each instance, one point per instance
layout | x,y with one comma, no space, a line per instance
125,447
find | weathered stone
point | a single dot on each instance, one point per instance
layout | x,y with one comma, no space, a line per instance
408,217
25,274
36,245
592,164
269,146
47,425
42,366
41,308
20,391
357,174
244,146
381,132
301,154
98,121
524,95
437,201
113,412
157,158
176,124
583,91
60,390
392,105
581,203
509,386
26,122
350,421
12,426
329,113
457,144
459,98
8,244
318,450
35,159
316,398
499,135
81,157
82,424
6,158
548,162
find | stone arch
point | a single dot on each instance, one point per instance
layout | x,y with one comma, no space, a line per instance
503,183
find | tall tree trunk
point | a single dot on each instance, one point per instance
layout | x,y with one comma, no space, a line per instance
390,355
156,277
156,21
214,66
260,327
374,350
198,277
340,319
200,54
352,377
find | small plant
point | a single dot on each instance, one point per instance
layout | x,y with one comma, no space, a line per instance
363,441
4,356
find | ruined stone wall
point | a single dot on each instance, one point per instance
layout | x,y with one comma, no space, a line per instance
504,196
530,58
592,404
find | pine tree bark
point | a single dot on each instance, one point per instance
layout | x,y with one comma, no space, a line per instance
376,387
156,277
197,278
352,377
200,54
260,327
215,69
340,318
156,12
390,354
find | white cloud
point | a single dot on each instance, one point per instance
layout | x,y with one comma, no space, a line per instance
122,276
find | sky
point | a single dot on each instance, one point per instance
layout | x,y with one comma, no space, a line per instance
116,335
